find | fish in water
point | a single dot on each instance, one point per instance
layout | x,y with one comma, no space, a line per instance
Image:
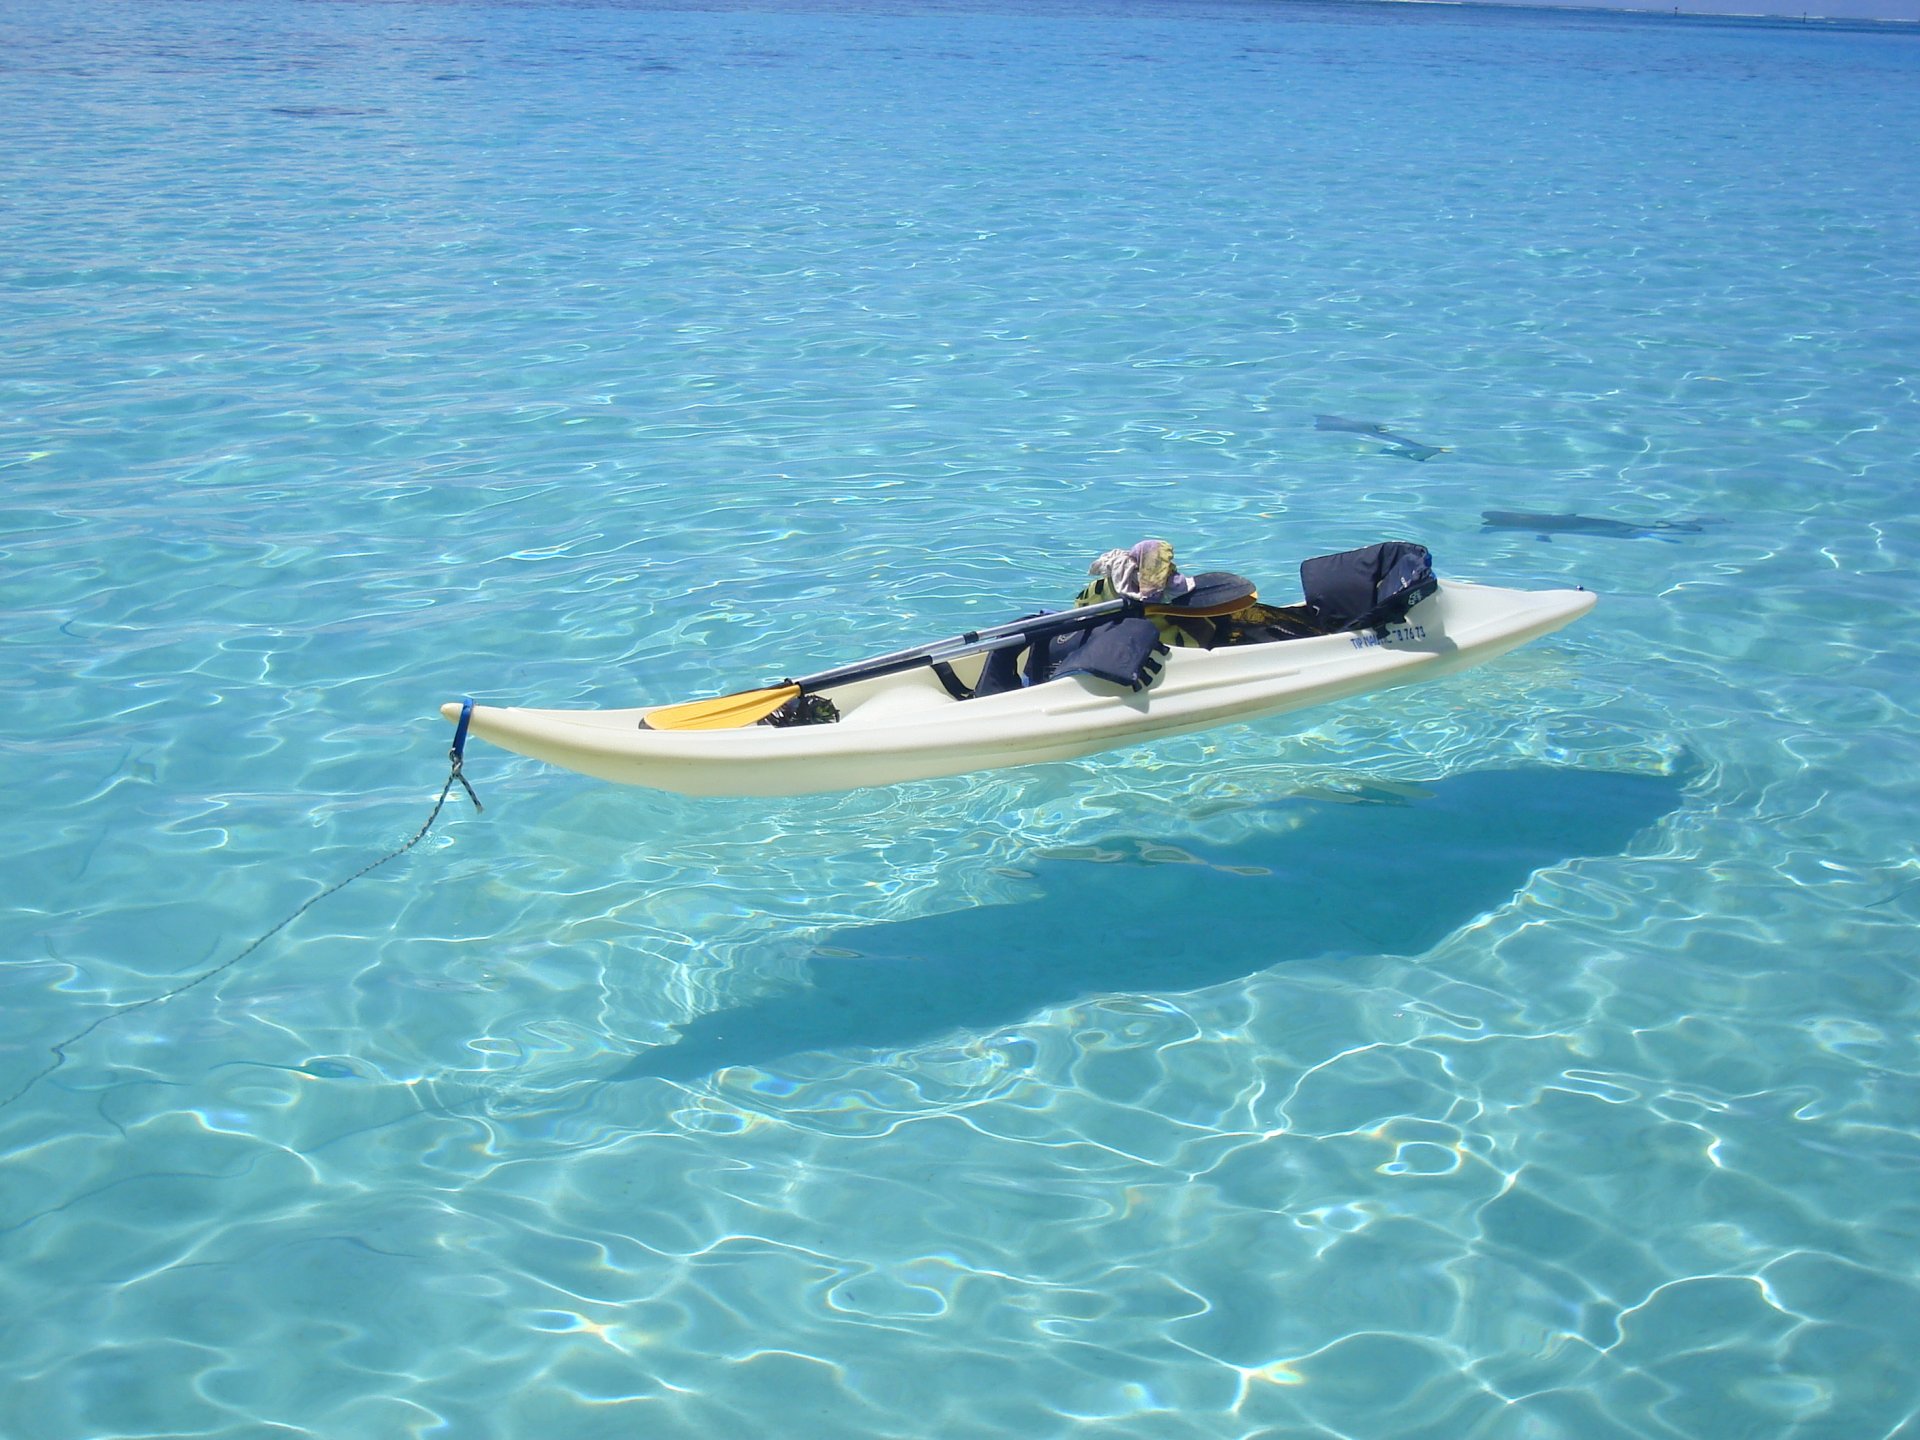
1396,444
1547,526
325,112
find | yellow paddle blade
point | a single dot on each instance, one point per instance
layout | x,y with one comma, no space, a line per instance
723,712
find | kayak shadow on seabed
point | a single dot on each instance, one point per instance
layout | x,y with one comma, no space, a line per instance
1377,873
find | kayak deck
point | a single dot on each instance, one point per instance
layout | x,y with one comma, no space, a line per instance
908,727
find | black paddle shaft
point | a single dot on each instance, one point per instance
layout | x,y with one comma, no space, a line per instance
1211,593
1000,637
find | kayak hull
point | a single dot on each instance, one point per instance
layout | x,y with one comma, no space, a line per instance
907,727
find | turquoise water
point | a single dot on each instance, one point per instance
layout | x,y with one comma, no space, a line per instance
1526,1055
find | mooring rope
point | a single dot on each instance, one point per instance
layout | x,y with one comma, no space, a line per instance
454,756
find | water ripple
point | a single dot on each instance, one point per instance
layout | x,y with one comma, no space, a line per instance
1519,1055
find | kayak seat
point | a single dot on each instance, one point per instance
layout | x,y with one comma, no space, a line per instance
1367,588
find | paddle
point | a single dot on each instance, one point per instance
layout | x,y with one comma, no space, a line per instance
1218,592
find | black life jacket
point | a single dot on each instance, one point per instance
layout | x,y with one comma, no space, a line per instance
1127,652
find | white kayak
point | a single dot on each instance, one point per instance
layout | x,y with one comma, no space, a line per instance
907,726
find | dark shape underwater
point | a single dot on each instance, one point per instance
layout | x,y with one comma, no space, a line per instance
1382,873
1547,526
327,112
1398,445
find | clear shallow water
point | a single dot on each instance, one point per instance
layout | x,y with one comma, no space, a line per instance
1527,1055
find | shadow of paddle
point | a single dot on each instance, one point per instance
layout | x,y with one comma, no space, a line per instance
1380,874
